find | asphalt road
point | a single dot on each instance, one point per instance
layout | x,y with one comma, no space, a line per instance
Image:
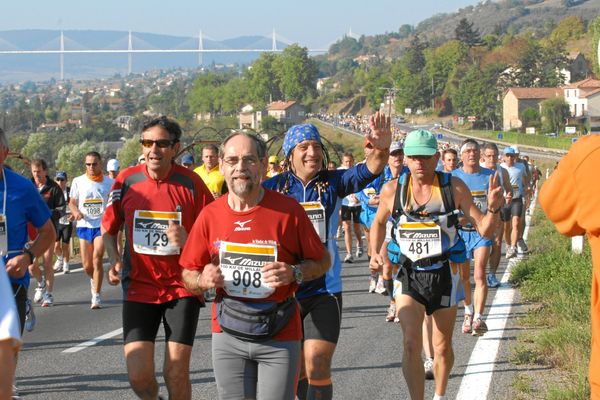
54,364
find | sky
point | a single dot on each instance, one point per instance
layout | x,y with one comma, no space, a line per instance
311,23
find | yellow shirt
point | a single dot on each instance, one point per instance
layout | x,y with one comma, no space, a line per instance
212,179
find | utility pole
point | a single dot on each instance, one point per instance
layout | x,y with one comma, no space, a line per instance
390,94
432,96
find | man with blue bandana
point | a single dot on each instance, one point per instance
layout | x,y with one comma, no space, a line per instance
320,191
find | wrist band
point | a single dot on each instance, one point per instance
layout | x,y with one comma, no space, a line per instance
493,211
30,254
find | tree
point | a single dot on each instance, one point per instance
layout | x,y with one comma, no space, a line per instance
263,83
39,145
129,153
595,29
465,33
71,157
554,115
203,94
571,27
296,73
530,118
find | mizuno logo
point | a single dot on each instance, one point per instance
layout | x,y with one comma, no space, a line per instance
241,226
232,260
151,225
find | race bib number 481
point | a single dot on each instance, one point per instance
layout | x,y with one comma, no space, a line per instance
419,240
241,268
150,232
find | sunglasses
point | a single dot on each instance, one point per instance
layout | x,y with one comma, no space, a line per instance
161,143
91,164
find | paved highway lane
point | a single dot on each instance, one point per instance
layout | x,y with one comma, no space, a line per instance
55,365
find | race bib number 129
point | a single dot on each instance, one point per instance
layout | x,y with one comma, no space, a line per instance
150,232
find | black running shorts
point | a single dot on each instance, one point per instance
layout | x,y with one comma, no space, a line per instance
432,288
322,316
179,317
351,214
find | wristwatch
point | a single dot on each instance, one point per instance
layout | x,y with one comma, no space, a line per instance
298,275
27,250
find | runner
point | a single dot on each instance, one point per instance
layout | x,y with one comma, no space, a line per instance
490,161
570,199
274,168
321,191
522,163
255,266
188,161
157,202
54,198
209,170
62,246
449,160
89,197
10,339
477,180
421,204
112,168
515,209
350,214
21,204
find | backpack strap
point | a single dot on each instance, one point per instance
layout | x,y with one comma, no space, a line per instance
445,180
400,196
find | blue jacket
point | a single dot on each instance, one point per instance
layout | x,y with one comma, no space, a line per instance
334,186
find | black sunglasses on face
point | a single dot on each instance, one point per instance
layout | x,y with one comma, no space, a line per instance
91,164
161,143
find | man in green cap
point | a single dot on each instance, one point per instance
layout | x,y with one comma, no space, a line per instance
424,228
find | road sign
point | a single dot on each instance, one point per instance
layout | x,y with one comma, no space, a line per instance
500,136
471,118
573,140
440,136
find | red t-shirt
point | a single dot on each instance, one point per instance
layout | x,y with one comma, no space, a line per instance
153,278
276,220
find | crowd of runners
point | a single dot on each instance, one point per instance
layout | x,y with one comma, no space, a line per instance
426,218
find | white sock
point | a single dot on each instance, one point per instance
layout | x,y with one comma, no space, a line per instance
476,316
59,258
469,309
438,397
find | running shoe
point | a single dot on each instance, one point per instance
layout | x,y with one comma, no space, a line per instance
39,294
96,301
466,326
359,252
397,320
479,327
522,247
58,265
66,267
428,366
372,283
29,316
391,313
349,259
492,282
380,288
510,252
48,300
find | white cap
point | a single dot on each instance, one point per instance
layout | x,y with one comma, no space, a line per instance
515,148
113,165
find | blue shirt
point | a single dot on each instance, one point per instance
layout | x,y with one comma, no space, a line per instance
337,185
23,205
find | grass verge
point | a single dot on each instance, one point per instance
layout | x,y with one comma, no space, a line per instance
561,143
557,284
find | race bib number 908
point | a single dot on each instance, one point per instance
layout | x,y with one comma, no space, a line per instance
241,266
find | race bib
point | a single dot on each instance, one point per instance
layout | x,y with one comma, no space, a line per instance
150,232
316,214
480,199
419,240
3,236
93,208
241,268
371,192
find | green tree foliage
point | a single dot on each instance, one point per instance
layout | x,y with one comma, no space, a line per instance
71,158
129,153
346,47
204,93
531,118
409,75
263,83
296,73
554,115
568,28
595,29
466,34
39,145
405,31
537,66
442,61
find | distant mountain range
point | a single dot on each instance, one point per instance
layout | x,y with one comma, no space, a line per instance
38,67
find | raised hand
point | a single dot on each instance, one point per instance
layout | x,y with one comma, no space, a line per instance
495,193
380,135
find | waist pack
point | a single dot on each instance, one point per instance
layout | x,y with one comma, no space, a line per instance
254,321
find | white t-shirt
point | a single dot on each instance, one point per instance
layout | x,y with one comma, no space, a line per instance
92,198
9,319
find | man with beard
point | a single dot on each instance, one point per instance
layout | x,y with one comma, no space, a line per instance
321,191
157,202
255,246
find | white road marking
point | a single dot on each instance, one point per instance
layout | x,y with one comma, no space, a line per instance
95,341
478,375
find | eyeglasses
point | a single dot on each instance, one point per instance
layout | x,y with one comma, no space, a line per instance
91,164
247,160
161,143
60,179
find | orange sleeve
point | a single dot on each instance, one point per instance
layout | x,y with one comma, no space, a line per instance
570,196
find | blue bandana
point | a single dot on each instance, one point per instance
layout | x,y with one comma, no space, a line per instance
297,134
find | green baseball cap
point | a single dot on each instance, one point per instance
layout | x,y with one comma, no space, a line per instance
420,142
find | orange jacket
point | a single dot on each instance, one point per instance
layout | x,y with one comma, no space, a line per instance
571,199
